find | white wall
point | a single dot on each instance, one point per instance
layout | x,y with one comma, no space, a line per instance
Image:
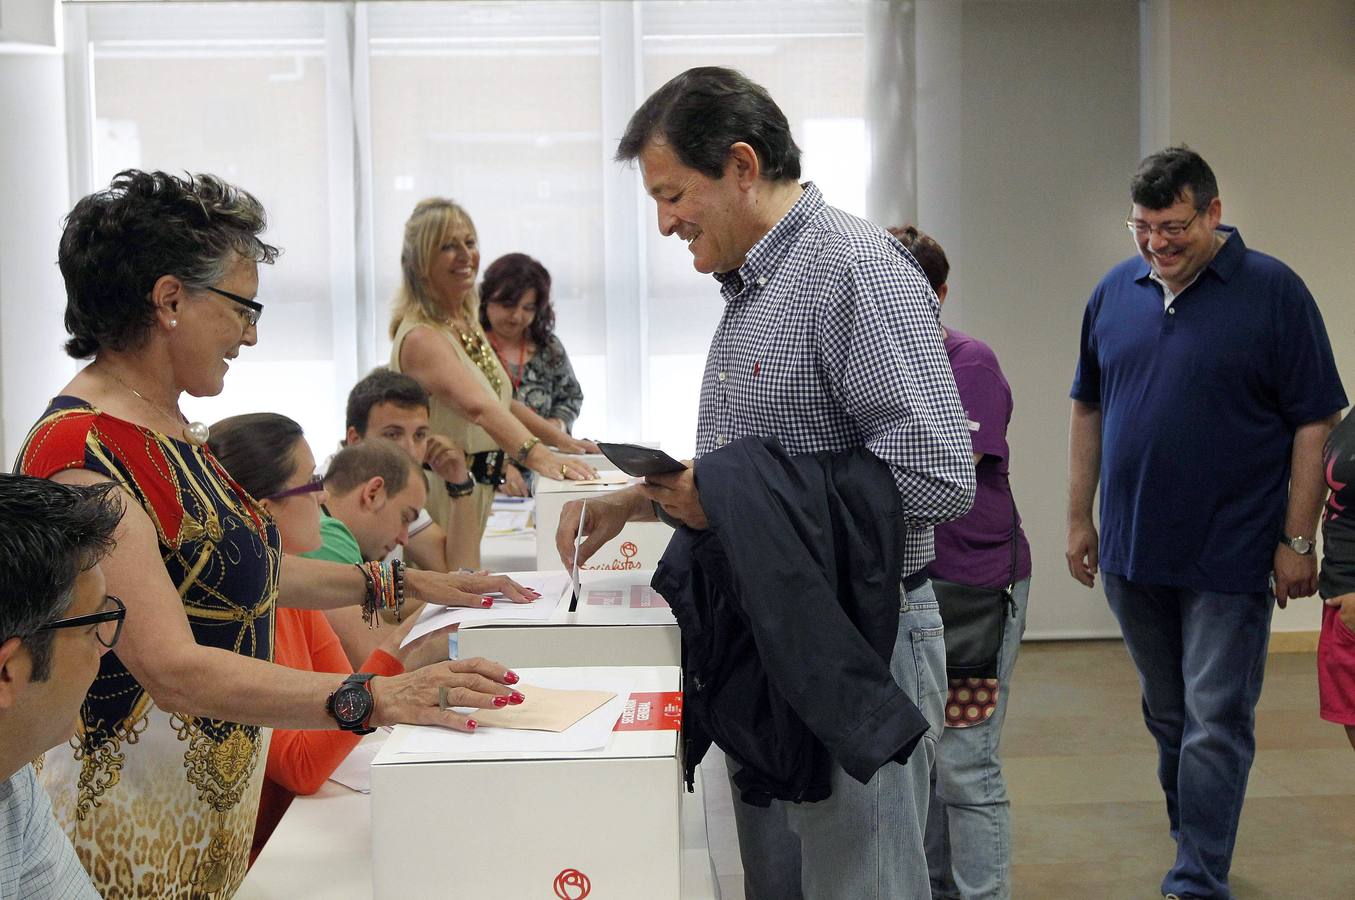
1266,92
1028,130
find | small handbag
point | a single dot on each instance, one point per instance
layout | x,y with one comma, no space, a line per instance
976,619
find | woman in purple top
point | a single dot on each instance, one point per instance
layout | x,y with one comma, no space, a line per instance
969,820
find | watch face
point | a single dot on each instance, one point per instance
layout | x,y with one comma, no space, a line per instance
351,704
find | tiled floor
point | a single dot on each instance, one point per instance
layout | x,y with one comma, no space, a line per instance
1087,813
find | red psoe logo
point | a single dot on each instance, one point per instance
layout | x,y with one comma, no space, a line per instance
628,549
571,884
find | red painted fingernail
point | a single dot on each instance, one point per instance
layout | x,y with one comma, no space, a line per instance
470,724
510,677
515,698
487,603
500,702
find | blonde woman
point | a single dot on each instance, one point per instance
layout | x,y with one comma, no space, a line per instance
438,341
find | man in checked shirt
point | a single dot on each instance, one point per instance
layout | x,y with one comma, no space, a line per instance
829,340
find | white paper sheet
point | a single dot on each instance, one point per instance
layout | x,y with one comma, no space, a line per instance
355,772
590,733
508,521
608,477
551,585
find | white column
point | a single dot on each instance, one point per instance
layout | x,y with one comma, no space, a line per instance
891,189
623,246
33,183
940,138
353,326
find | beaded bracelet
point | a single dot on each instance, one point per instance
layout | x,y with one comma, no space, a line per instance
385,589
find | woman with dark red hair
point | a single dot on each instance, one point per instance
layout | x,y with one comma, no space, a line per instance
516,313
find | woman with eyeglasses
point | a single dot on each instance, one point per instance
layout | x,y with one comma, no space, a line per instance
160,788
438,341
267,455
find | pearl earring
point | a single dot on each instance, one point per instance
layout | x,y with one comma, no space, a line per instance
173,323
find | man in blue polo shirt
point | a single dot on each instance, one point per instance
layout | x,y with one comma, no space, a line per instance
1204,392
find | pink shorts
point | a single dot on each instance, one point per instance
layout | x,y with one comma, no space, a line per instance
1336,668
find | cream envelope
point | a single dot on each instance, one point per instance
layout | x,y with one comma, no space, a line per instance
544,709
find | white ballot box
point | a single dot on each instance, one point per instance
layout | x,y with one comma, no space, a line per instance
619,621
638,546
452,819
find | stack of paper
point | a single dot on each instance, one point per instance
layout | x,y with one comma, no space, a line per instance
511,515
553,587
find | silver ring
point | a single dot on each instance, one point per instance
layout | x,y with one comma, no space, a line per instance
442,698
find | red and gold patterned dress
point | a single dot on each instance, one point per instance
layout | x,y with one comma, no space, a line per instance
160,803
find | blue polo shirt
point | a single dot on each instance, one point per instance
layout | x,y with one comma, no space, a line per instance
1199,405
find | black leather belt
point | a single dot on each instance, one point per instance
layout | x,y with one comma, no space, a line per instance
487,467
914,581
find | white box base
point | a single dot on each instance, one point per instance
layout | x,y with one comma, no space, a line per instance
508,824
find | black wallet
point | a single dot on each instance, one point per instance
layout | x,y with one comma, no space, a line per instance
640,461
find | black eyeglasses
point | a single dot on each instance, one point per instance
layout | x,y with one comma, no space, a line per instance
108,623
1166,229
252,311
316,483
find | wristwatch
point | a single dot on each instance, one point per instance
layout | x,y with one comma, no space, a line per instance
1301,545
457,489
351,705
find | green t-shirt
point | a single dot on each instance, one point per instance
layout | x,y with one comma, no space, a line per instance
337,543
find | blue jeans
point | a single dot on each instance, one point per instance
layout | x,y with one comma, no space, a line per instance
865,841
969,823
1201,656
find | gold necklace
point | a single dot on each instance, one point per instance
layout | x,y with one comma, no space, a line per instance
196,432
482,354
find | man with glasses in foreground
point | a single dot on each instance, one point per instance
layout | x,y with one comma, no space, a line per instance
56,622
1205,390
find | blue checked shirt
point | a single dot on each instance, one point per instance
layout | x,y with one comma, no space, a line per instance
37,861
831,339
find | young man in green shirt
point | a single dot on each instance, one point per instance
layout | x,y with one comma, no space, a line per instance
375,491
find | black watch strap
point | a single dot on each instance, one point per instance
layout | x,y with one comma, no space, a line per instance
460,488
358,681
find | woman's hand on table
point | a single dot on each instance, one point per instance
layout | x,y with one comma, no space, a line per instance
424,650
552,465
514,485
425,696
579,445
462,589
